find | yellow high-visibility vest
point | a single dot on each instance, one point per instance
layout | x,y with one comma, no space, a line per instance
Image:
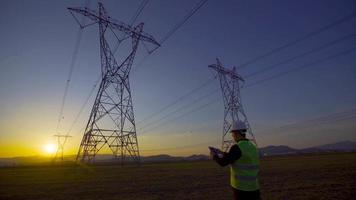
244,171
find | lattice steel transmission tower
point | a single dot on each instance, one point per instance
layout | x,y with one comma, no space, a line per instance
230,83
61,141
111,123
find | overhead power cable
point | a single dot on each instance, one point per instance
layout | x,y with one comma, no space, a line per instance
269,67
72,64
179,147
81,110
319,124
71,68
329,44
341,20
304,37
349,114
336,117
324,28
177,100
303,66
329,119
259,82
83,105
132,21
185,19
250,75
173,30
180,109
139,11
164,123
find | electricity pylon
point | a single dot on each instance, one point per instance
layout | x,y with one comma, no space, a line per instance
111,122
61,141
230,83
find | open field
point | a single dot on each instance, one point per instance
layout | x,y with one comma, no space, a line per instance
327,176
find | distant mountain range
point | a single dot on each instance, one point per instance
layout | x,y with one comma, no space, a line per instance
344,146
100,159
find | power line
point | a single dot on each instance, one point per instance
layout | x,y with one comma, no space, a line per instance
139,11
303,66
250,75
335,117
346,37
340,116
72,63
324,119
261,81
316,122
344,116
185,19
289,60
182,115
132,21
177,100
61,144
304,37
280,48
180,147
81,110
285,46
83,105
180,109
173,30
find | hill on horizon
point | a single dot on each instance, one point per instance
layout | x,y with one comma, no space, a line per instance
271,150
342,146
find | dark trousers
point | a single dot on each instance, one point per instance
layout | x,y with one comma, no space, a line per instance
248,195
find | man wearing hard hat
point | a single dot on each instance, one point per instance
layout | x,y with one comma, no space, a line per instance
244,162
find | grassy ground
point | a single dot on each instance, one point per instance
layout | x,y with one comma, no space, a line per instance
328,176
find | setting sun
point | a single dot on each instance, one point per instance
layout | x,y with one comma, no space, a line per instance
49,148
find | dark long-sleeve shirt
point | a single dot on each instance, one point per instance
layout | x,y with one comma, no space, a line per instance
229,157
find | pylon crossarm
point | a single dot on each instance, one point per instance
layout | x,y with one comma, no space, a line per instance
112,23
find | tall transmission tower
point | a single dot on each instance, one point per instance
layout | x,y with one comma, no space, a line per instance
111,123
230,83
61,141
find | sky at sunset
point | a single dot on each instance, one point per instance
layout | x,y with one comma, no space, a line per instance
308,106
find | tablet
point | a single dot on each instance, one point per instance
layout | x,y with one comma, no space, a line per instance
215,151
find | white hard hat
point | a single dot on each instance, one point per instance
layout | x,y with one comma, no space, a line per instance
238,125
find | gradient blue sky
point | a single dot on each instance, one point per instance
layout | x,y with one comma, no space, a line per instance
37,43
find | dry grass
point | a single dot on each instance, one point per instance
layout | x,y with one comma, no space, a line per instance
328,176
